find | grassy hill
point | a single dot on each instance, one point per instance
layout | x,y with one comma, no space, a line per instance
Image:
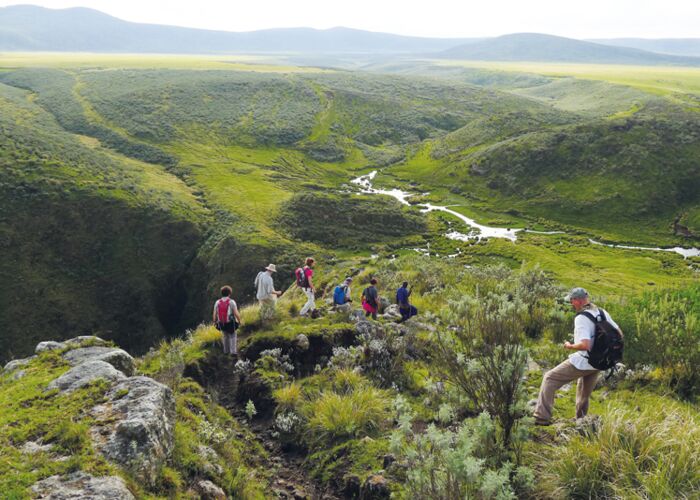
83,231
208,174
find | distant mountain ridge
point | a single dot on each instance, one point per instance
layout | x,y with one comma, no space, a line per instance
674,46
32,28
549,48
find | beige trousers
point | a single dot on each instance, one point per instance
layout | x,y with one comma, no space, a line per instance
558,376
267,307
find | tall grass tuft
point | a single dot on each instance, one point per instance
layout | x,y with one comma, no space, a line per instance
335,416
649,455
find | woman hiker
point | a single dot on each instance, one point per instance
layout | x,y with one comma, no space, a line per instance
227,319
370,299
305,282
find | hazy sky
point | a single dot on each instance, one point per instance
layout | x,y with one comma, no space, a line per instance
443,18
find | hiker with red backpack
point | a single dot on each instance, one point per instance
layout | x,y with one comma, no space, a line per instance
598,345
227,319
304,281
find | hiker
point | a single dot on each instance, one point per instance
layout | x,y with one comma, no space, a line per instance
578,365
405,307
266,293
227,320
341,293
370,299
305,282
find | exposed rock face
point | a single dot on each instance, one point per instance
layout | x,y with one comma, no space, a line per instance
302,342
357,315
73,343
80,485
118,358
376,486
85,373
344,308
209,491
17,363
392,312
49,345
134,428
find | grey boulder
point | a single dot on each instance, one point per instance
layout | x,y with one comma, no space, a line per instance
118,358
17,363
74,343
49,345
80,485
302,342
392,312
209,491
134,428
84,374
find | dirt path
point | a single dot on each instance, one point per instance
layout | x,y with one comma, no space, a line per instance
290,479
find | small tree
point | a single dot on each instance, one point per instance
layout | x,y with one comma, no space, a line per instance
482,354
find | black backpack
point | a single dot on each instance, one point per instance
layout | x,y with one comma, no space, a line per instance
608,344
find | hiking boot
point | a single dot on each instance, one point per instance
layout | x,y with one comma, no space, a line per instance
542,422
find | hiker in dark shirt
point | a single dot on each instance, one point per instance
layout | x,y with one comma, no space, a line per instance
370,299
402,299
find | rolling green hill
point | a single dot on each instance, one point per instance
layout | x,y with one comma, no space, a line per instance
83,233
147,189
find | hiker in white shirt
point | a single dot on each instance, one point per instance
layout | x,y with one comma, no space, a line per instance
266,293
577,366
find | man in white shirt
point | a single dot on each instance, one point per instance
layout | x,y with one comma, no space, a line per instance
266,293
577,366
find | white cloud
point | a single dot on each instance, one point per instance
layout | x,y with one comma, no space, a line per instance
443,18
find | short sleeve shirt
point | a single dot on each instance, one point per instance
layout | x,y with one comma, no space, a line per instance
584,329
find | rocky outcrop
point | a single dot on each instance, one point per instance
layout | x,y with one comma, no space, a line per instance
375,487
118,358
85,373
134,428
74,343
17,363
80,485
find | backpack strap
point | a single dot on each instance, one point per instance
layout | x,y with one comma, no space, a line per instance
590,316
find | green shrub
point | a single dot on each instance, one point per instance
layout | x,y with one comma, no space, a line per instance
447,464
667,334
482,355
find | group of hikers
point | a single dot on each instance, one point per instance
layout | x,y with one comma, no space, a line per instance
227,318
597,346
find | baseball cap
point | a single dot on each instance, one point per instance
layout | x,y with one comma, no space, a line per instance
577,293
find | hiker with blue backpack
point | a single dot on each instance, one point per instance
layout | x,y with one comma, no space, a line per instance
402,300
341,293
598,345
304,280
227,319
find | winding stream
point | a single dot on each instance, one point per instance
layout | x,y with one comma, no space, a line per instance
479,231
